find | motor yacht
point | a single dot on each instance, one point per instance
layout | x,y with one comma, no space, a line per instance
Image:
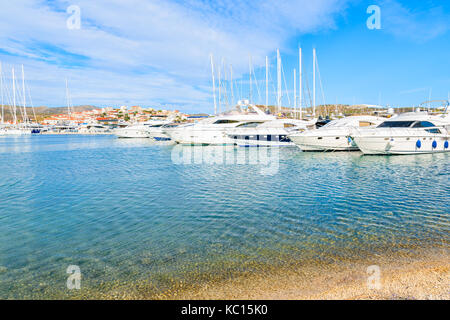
132,131
14,131
93,129
214,130
408,133
334,136
141,130
159,132
269,133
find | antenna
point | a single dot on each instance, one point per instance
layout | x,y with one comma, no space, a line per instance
429,99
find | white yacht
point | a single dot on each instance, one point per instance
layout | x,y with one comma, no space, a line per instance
158,132
214,130
270,133
408,133
94,129
133,131
141,130
14,131
335,135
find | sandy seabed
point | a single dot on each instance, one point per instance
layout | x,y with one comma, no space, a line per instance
422,274
425,276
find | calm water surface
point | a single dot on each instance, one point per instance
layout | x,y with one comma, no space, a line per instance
124,211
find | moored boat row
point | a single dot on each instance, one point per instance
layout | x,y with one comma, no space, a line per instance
407,133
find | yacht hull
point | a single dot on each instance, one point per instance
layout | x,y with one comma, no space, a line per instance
14,132
375,145
201,137
324,143
131,133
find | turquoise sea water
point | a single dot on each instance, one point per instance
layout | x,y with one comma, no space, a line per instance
125,211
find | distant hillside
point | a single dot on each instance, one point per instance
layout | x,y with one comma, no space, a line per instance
41,112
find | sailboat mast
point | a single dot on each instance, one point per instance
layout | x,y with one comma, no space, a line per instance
24,97
225,89
67,99
250,75
14,96
267,81
295,93
300,80
278,80
314,82
220,85
1,88
231,84
213,84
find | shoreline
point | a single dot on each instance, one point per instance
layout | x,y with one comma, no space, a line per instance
422,277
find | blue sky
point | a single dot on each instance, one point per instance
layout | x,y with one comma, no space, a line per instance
156,53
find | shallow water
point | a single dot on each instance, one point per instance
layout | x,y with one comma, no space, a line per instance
126,211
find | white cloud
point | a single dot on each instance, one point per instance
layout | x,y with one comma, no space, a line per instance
148,52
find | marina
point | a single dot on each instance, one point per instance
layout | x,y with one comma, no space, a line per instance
199,152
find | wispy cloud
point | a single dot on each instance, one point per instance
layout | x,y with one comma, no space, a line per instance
414,90
425,22
148,52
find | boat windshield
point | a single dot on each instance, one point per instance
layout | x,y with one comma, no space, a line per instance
341,123
225,121
249,124
333,123
396,124
423,124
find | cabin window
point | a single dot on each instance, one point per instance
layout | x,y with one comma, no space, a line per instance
249,124
289,125
396,124
423,124
225,121
434,130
